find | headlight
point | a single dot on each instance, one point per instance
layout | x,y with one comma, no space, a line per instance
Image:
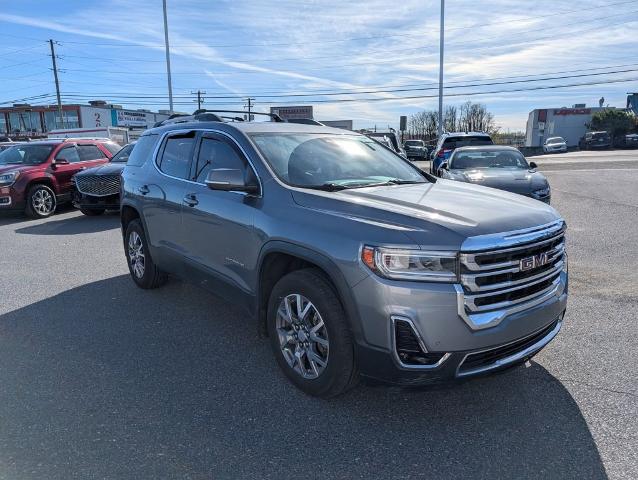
411,264
7,179
541,193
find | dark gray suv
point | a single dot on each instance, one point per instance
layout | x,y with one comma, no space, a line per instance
353,261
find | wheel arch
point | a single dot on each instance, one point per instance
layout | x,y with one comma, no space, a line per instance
278,258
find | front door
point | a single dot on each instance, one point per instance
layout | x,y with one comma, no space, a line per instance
220,230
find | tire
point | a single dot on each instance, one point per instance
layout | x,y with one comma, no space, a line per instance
41,201
136,251
328,321
92,212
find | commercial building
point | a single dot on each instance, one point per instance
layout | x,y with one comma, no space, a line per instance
33,121
345,124
569,123
293,112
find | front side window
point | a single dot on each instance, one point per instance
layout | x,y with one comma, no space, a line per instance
70,154
89,152
331,161
488,159
216,153
25,155
176,157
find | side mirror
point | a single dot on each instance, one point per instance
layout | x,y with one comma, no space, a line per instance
60,161
532,165
444,166
229,180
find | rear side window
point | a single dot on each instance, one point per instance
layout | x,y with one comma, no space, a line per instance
456,142
176,157
112,147
143,150
216,153
90,152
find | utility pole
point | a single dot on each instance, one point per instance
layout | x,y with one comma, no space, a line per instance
249,104
199,98
168,60
57,84
441,41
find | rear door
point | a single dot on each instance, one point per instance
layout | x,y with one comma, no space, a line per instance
163,194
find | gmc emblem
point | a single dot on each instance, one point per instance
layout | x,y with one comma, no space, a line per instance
535,261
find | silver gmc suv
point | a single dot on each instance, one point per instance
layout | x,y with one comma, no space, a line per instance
353,262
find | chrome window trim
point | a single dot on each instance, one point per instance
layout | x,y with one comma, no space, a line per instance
205,130
512,358
393,346
516,238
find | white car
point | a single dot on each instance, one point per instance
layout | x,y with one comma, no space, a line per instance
555,145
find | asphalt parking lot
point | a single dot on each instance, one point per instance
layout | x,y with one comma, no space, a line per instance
102,380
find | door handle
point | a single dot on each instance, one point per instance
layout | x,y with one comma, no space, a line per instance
190,200
143,189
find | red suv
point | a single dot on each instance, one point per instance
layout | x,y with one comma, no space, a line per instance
36,177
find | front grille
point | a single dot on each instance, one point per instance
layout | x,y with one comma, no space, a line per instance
408,347
488,358
499,278
98,185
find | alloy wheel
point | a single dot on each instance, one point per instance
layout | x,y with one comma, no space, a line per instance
303,337
136,254
42,201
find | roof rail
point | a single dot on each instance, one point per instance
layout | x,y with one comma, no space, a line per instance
274,116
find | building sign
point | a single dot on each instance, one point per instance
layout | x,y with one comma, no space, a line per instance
128,118
287,113
573,111
632,102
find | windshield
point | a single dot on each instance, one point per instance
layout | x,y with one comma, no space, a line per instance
456,142
488,159
333,161
123,154
600,135
25,154
555,140
414,143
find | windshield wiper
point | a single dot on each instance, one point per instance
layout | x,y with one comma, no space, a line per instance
328,187
394,181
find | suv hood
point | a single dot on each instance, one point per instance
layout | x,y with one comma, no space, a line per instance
106,169
426,210
516,181
19,167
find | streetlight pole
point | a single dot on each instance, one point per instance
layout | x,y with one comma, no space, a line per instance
441,41
168,60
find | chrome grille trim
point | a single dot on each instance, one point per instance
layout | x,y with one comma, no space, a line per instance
494,283
98,185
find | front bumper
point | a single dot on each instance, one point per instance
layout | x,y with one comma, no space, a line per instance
88,202
434,312
10,199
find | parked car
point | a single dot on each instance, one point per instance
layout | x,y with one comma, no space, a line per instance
415,149
5,145
499,167
353,261
448,142
595,141
555,145
35,177
389,139
98,189
630,140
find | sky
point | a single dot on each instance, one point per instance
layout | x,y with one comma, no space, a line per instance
293,52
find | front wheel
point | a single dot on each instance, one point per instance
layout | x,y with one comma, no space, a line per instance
140,264
309,334
41,202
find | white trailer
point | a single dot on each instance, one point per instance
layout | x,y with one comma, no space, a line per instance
117,134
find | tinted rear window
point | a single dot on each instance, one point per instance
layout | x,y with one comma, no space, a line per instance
176,158
456,142
143,150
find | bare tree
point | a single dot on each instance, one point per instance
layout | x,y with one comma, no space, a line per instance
474,117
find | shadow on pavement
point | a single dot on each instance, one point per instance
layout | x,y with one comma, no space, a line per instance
109,381
73,225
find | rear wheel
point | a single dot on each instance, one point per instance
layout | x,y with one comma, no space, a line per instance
92,212
140,264
309,334
41,202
